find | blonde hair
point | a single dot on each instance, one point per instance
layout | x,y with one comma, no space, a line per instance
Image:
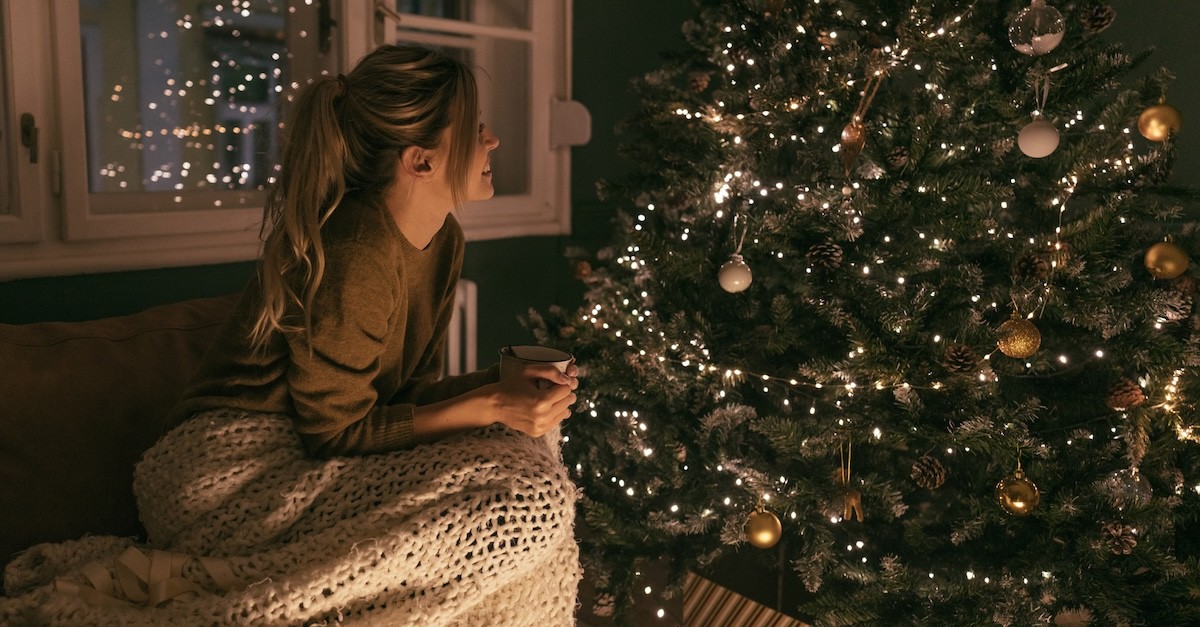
344,137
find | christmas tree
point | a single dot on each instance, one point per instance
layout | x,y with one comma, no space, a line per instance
901,292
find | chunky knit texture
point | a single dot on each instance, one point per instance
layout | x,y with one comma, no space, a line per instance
476,529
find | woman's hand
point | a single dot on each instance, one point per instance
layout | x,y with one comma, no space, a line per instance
536,398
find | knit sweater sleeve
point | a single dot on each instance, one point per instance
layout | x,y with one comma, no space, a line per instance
331,372
427,385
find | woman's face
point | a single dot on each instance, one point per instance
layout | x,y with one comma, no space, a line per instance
479,179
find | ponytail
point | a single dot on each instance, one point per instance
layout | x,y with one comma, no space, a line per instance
305,194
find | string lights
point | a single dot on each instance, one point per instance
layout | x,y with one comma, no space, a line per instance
869,390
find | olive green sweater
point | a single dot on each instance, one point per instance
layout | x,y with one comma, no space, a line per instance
375,351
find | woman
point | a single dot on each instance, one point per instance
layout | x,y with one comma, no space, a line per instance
283,493
344,326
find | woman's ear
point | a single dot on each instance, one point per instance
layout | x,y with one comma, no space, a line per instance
415,161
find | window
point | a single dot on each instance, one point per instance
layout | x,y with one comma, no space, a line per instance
521,52
178,112
144,133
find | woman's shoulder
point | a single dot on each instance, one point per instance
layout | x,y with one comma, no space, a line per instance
451,231
357,223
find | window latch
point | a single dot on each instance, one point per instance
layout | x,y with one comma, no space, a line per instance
29,136
570,124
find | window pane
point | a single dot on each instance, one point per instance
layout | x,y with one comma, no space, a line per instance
504,88
509,13
180,95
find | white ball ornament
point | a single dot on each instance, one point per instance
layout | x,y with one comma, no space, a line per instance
1038,139
734,275
1036,29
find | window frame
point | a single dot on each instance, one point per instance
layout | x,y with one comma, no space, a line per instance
53,227
28,190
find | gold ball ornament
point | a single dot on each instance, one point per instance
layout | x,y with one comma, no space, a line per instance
1019,338
1166,260
763,529
1017,495
1159,122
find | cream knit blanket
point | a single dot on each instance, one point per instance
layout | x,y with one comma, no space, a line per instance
476,529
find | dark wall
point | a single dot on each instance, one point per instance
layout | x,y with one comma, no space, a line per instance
1168,28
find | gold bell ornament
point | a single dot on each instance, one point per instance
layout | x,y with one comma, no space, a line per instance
1019,338
763,529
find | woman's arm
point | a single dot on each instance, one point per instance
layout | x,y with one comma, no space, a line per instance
516,401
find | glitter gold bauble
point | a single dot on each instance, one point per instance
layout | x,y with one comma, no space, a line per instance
1018,337
1159,122
1017,494
1165,260
763,529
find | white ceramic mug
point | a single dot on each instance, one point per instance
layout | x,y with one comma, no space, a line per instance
515,357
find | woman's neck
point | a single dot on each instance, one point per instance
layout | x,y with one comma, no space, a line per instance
417,215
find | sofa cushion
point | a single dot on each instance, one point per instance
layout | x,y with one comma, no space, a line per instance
79,403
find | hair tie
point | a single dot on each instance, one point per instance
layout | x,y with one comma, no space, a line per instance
343,86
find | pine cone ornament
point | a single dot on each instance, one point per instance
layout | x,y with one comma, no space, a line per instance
698,81
827,255
928,472
1184,283
583,270
1098,18
898,157
1120,539
961,359
604,605
1032,268
1125,393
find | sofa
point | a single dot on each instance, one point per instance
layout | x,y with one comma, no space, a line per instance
453,532
79,404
